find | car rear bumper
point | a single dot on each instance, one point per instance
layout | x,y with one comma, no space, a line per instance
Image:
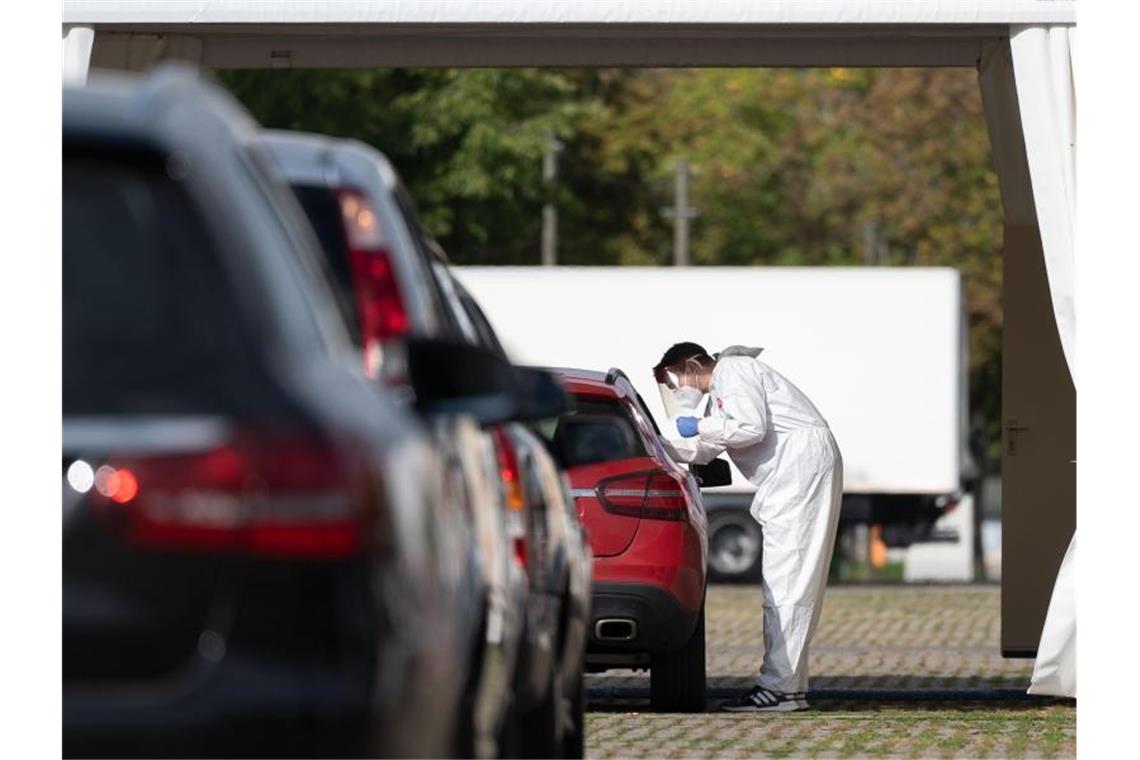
662,623
310,680
666,555
237,706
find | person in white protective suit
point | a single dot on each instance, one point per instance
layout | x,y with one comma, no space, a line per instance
782,444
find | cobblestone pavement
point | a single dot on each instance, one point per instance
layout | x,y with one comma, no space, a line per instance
870,637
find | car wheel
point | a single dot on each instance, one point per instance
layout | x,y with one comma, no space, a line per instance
510,735
574,738
735,546
465,731
677,679
539,729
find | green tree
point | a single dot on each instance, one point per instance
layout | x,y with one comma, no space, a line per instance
836,166
469,144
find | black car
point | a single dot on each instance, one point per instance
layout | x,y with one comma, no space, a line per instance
263,553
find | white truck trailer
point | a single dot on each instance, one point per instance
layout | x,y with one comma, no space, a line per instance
881,351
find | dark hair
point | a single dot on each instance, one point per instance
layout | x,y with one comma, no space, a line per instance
678,352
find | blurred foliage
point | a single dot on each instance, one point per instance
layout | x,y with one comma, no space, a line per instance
789,166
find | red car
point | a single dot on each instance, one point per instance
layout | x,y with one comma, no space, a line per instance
646,525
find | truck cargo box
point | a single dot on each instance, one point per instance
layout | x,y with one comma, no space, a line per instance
881,351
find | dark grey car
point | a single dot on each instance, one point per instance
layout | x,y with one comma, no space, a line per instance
372,242
262,549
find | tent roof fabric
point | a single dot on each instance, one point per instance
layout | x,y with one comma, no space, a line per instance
591,12
133,34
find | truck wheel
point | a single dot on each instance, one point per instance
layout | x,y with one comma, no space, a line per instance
677,679
735,546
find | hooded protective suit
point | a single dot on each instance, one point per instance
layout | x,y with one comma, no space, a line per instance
782,444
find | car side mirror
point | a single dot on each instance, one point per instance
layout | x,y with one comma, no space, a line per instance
715,473
540,394
458,378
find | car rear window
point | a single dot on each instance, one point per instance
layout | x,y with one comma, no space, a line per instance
149,320
594,431
487,337
323,210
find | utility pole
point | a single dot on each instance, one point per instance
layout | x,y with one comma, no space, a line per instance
549,211
867,242
681,212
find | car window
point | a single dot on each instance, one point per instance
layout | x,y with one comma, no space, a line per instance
455,306
594,431
406,209
319,320
650,433
643,410
148,313
323,211
487,336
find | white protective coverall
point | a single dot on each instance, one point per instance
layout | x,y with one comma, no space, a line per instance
782,444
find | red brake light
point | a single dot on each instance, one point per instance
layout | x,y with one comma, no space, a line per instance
513,497
382,314
120,486
509,470
650,494
126,488
378,300
282,498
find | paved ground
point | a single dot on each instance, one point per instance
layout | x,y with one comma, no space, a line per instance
878,637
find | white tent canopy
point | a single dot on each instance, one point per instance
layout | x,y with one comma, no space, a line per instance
308,33
1022,48
514,12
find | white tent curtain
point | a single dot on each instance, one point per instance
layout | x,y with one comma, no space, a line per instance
77,43
1055,670
1043,69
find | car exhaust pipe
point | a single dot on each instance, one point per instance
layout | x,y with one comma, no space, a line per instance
615,629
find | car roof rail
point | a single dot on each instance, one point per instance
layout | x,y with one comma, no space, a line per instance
613,374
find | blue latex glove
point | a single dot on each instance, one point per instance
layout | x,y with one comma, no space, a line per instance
687,426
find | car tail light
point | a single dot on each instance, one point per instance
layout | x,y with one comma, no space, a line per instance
278,497
650,494
513,497
378,300
948,502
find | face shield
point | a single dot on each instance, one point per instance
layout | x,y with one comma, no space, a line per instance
679,386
